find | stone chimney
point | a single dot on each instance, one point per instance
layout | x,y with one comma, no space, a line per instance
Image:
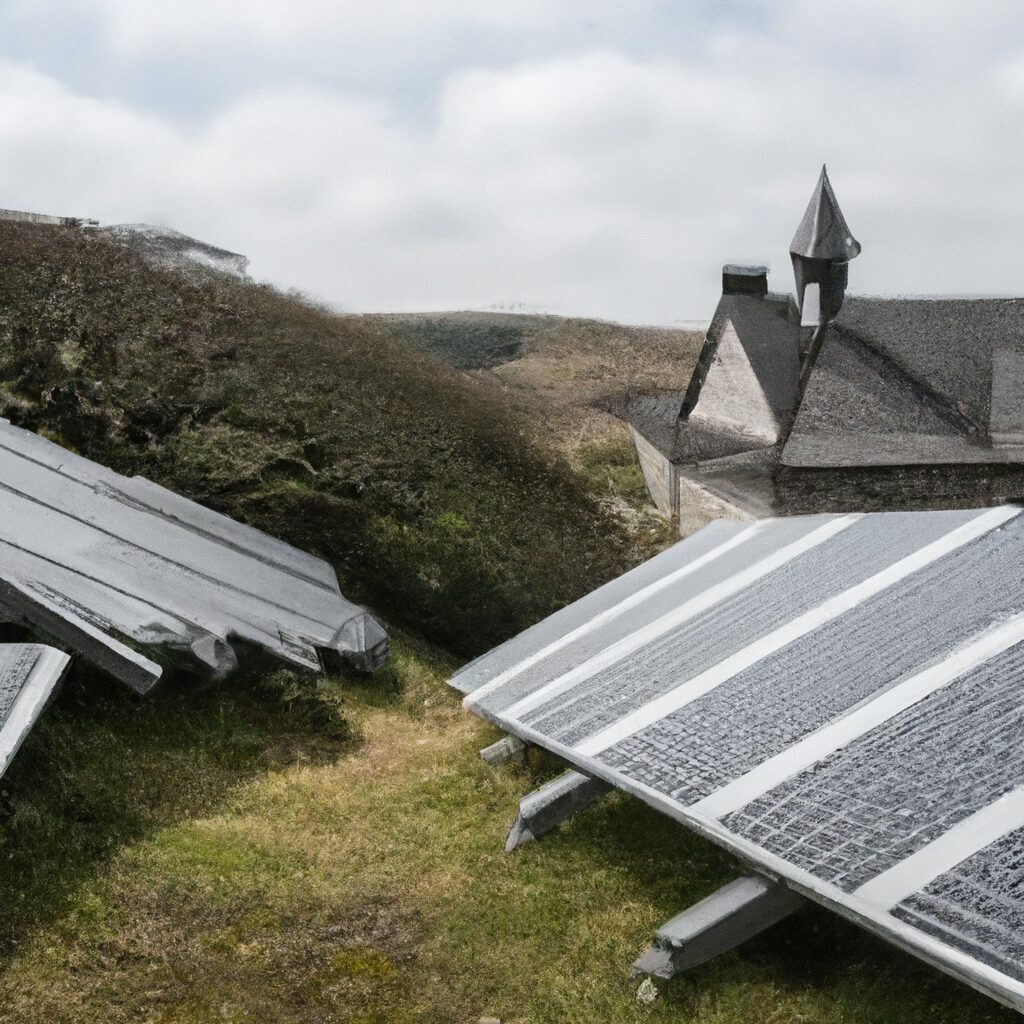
821,251
739,279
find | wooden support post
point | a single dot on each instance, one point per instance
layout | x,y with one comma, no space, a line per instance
508,748
553,803
736,912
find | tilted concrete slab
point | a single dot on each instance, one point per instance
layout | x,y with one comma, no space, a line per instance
29,674
720,922
836,700
118,567
508,748
555,802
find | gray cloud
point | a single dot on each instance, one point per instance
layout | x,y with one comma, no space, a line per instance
587,158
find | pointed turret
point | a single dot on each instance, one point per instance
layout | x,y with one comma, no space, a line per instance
823,233
821,250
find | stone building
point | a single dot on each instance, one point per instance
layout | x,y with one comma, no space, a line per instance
822,402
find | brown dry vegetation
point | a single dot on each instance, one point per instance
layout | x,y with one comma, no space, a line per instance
432,494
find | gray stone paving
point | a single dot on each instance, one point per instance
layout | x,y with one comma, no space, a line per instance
884,796
777,701
849,558
978,907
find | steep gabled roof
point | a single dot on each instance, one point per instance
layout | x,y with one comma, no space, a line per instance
906,382
823,233
768,336
945,344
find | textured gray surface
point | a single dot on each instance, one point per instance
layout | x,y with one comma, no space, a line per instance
945,345
16,664
1006,415
852,556
96,559
785,696
849,722
29,673
978,907
880,799
770,339
766,541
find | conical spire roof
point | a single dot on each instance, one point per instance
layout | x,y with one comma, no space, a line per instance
823,233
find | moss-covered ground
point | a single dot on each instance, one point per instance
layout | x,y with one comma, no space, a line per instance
257,851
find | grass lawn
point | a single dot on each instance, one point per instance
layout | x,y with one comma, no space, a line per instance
247,851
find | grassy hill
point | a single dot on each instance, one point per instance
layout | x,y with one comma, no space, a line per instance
290,850
438,499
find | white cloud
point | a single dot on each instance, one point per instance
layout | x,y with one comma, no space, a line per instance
590,182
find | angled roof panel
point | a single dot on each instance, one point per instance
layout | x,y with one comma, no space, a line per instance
770,340
859,408
945,345
29,673
110,563
836,699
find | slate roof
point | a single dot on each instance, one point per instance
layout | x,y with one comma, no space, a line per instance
896,382
767,330
906,382
771,339
838,700
116,566
944,344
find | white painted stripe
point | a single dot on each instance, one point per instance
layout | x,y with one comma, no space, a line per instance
963,840
688,610
603,618
869,715
691,689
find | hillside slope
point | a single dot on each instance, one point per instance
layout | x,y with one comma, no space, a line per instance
430,492
568,363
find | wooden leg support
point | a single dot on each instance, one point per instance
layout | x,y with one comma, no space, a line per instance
508,748
736,912
553,803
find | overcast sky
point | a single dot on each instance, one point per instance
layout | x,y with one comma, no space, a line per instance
579,156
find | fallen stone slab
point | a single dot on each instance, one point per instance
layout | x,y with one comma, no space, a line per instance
118,568
29,675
